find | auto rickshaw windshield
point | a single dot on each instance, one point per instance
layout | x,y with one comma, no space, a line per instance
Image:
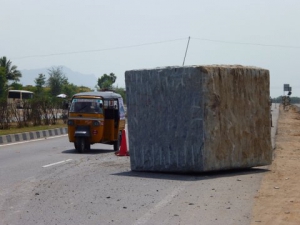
86,105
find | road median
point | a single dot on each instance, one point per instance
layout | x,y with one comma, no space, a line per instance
27,136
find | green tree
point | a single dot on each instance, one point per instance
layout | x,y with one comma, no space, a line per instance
11,72
106,81
40,82
83,89
16,86
56,80
3,82
122,92
29,88
70,89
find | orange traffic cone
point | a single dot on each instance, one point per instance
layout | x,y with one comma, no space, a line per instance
123,149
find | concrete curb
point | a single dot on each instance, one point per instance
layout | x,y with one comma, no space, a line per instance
27,136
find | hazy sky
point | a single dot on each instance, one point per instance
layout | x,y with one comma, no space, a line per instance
97,37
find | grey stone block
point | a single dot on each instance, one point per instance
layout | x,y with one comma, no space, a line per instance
198,118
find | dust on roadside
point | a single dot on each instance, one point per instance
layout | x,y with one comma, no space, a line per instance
278,200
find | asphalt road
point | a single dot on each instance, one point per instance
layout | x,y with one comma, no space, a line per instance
47,182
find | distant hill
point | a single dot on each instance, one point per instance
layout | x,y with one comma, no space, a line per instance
79,79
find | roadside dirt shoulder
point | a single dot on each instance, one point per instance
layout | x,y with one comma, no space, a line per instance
278,200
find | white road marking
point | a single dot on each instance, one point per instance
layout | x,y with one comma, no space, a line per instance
147,216
53,164
32,140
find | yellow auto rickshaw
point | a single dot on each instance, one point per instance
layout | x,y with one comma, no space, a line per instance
96,117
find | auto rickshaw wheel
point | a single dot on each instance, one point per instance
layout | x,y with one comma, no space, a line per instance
87,145
116,146
118,142
80,144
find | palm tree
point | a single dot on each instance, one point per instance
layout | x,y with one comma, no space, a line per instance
11,72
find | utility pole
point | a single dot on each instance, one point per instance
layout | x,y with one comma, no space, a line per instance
186,50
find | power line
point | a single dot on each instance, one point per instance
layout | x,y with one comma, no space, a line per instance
155,43
100,50
245,43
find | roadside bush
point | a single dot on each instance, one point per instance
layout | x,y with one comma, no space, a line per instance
4,115
36,112
46,111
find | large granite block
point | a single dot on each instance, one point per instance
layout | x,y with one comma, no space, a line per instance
198,118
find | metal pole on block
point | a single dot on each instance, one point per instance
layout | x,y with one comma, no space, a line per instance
186,51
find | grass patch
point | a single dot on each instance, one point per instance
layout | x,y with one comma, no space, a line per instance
15,130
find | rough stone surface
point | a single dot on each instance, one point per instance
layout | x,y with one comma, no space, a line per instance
198,118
